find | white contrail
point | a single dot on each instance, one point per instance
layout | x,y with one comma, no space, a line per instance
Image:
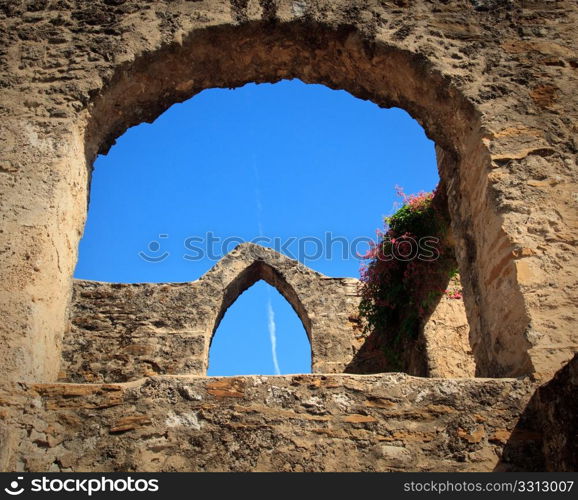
271,325
273,334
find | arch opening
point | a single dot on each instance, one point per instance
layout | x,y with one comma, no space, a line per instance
248,277
158,180
385,74
272,340
277,164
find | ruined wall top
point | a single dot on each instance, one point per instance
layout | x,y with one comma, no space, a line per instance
121,332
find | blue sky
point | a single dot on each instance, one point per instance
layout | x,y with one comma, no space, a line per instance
284,161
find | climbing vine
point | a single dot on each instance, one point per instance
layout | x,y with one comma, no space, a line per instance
407,270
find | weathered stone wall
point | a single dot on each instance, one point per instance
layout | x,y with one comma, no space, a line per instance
122,332
494,87
493,83
287,423
448,353
440,346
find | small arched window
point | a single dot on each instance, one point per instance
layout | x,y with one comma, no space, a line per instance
260,333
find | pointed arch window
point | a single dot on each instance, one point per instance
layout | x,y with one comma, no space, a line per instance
260,334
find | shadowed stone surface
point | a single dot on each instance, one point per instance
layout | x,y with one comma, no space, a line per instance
552,414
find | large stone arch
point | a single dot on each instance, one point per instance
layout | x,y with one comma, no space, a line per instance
341,57
502,147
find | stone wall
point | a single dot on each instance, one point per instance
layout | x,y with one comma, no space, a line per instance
446,341
492,83
553,413
120,332
390,422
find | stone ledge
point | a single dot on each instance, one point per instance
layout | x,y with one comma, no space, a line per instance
306,422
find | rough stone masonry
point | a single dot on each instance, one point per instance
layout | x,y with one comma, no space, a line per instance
493,84
122,332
